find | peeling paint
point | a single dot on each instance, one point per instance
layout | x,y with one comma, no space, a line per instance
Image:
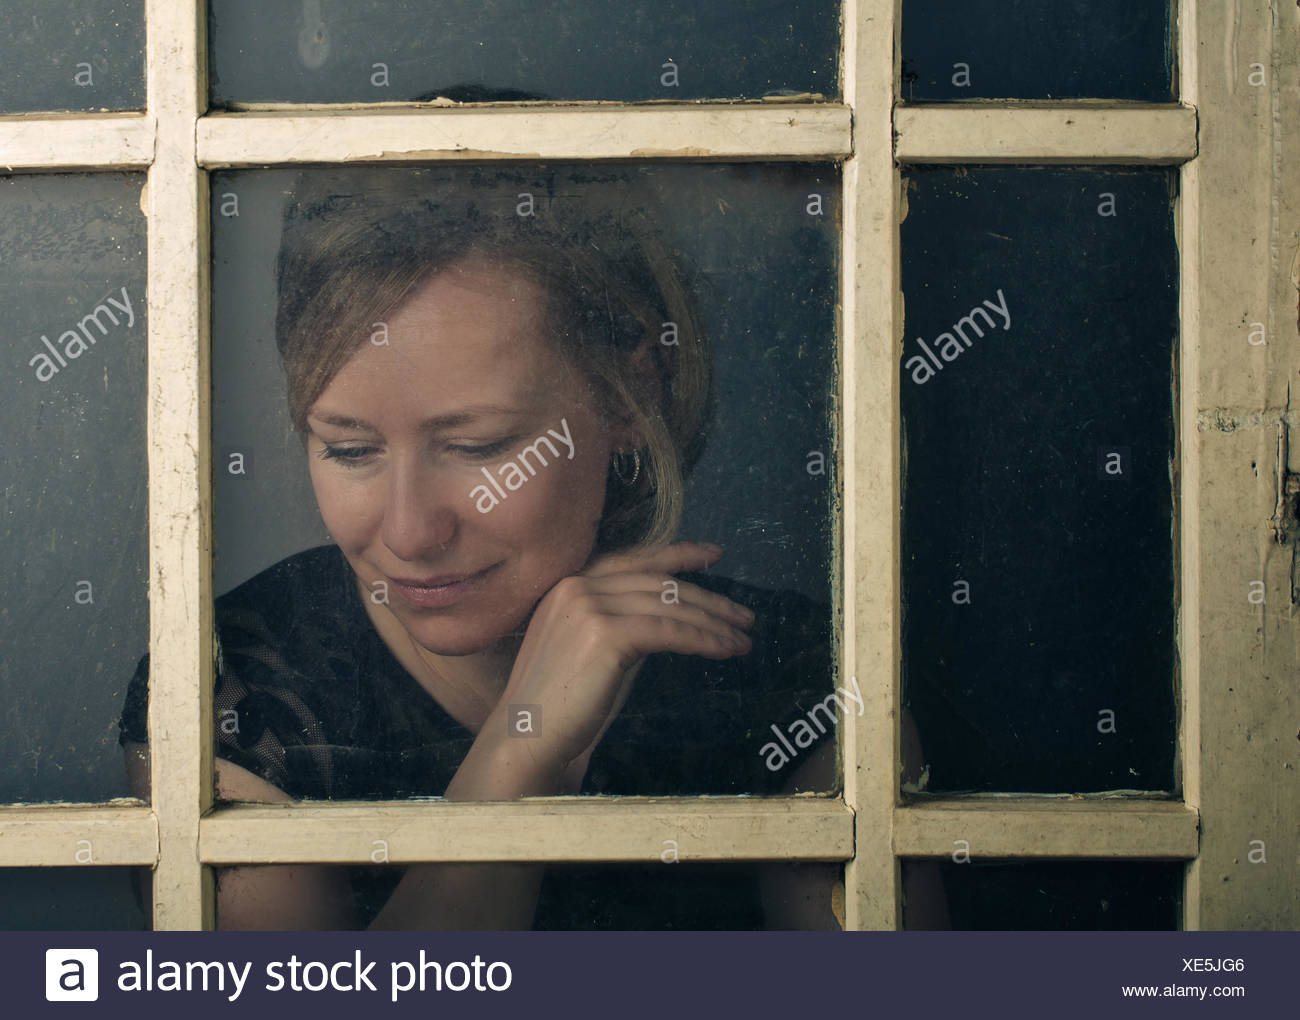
1230,45
1279,481
1224,419
690,150
441,154
796,97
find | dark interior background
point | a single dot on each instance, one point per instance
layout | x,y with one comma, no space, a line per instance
324,51
1038,49
1071,571
999,895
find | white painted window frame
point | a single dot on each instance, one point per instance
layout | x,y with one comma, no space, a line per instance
1230,197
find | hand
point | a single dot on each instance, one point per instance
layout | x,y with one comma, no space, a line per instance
592,627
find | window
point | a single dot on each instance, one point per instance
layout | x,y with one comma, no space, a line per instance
1044,413
74,395
60,55
1226,819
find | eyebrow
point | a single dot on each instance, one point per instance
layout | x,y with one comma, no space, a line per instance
443,421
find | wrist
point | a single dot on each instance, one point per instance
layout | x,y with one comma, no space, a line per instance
521,728
500,766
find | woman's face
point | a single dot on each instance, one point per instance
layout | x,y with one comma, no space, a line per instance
456,444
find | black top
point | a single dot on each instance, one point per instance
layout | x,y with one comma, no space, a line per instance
309,697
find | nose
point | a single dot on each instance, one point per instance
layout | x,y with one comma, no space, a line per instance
420,518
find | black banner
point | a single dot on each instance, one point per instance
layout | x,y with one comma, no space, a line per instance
649,974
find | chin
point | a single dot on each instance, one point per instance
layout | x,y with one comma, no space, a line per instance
454,648
461,636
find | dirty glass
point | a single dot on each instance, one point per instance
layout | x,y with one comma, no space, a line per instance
502,378
1038,49
371,51
70,899
1081,895
1039,460
72,55
72,401
667,892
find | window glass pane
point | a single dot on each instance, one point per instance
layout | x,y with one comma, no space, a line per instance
571,316
369,51
70,899
666,893
74,55
1038,49
1056,895
72,402
1038,407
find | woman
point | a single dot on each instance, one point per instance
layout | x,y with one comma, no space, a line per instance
500,400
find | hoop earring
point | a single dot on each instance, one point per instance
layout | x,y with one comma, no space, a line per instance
617,463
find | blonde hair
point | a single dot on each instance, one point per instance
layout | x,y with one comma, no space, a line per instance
357,243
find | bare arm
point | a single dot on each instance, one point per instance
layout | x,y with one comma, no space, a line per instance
478,896
276,896
800,896
314,897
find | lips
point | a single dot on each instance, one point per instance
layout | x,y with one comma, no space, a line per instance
439,591
434,582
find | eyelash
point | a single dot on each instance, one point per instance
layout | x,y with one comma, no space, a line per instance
352,455
346,454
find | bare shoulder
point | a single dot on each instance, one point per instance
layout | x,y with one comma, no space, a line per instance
233,781
274,897
236,783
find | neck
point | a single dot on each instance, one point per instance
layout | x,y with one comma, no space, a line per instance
480,675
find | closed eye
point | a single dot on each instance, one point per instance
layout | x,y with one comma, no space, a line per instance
347,454
487,450
356,454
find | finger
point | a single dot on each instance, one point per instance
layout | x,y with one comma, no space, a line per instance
668,558
644,603
671,591
657,633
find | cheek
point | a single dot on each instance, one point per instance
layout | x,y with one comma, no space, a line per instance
558,500
578,487
344,508
552,520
